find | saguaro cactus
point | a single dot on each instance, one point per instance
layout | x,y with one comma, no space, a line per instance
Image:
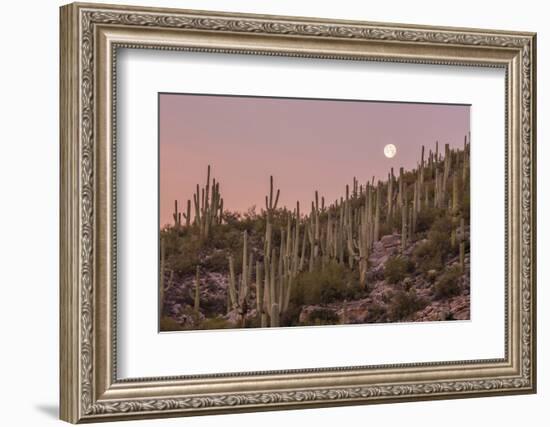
270,202
462,244
390,197
281,265
404,221
260,305
400,197
465,160
422,167
188,214
455,193
238,287
363,247
208,206
275,315
377,214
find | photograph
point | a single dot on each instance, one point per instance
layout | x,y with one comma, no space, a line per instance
281,212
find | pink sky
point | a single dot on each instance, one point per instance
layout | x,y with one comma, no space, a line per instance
305,144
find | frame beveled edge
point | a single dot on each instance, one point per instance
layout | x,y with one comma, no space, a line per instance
89,391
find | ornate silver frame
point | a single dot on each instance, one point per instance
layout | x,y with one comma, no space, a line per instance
90,36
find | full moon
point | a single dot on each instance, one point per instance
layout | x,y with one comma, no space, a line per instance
390,151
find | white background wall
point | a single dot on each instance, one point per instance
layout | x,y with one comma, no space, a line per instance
29,171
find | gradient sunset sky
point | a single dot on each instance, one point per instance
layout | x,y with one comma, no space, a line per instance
306,144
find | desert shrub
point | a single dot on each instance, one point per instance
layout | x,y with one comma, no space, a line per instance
409,178
431,254
465,208
395,222
215,323
322,286
216,261
225,237
291,317
397,268
431,276
440,234
182,250
403,304
386,229
387,296
184,263
408,283
448,283
169,324
185,249
426,218
447,315
376,314
427,257
323,316
231,218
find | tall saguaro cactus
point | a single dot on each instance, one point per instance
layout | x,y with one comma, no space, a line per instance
363,248
260,305
390,197
462,244
377,214
207,205
239,286
404,217
208,208
270,202
177,215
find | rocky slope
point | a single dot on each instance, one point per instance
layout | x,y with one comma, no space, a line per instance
414,298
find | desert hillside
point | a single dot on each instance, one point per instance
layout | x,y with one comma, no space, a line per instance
386,251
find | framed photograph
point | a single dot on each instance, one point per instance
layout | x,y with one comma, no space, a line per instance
266,212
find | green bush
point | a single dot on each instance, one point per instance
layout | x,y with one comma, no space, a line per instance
448,283
322,286
231,218
396,269
291,317
431,254
184,248
376,314
426,218
182,251
440,234
217,261
427,257
225,237
403,304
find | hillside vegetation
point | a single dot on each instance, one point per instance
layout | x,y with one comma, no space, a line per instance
386,251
